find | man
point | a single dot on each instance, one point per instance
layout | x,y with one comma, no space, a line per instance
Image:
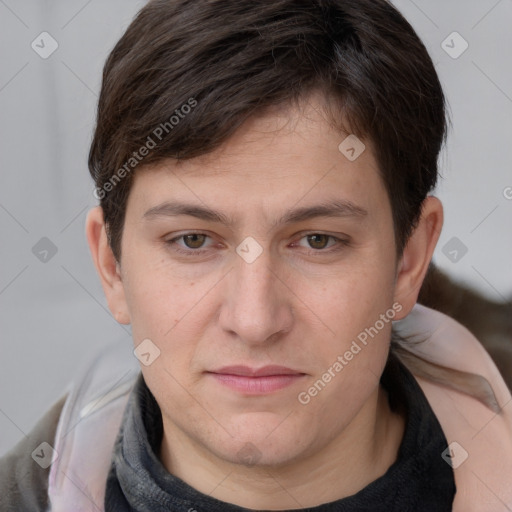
263,171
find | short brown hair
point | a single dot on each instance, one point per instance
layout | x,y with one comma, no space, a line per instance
234,58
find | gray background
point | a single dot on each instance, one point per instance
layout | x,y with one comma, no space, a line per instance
53,313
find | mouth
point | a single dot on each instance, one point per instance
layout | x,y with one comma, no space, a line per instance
258,381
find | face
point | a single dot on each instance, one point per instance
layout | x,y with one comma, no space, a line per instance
256,271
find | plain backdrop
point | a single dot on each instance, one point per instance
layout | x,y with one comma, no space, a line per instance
53,313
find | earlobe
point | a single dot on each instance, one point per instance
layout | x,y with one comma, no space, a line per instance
417,254
106,265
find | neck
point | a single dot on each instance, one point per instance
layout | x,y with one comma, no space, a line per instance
363,452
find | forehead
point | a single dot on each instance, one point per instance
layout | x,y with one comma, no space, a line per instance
277,160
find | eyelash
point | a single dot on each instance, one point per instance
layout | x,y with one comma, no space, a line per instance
340,244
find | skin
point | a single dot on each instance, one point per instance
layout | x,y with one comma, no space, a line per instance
300,304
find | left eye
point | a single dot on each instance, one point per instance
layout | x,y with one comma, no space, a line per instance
318,241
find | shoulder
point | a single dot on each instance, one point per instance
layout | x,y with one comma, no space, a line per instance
444,341
24,482
479,439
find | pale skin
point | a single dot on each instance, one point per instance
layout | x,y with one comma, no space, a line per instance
299,304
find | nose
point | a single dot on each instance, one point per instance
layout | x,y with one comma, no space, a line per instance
258,304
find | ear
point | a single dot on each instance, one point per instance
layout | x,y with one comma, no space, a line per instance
106,265
417,254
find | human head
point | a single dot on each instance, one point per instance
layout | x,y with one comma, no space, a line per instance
271,90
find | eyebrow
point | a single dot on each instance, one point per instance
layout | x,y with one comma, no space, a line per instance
334,208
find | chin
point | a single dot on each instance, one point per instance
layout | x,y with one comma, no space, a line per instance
257,448
252,454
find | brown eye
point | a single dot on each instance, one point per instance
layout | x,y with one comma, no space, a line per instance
190,244
318,241
194,240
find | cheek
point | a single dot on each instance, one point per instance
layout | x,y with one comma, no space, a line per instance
156,299
161,307
169,307
353,297
358,309
355,308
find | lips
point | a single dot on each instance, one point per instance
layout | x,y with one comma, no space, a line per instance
256,381
247,371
